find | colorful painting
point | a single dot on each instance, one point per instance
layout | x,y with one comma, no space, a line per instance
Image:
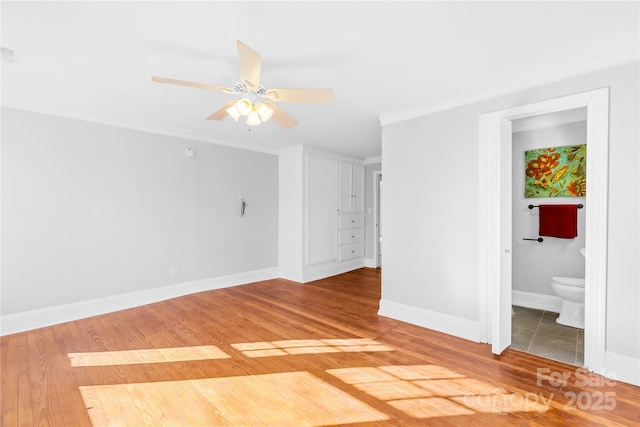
556,172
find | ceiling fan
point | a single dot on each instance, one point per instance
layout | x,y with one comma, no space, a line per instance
256,102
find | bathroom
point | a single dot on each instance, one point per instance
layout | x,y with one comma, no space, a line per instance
536,305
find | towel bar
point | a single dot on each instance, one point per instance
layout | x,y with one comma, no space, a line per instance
580,206
539,239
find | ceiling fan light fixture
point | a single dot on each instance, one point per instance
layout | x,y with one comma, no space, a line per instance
264,111
233,112
244,107
254,119
249,91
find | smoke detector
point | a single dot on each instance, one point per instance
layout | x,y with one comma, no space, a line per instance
9,55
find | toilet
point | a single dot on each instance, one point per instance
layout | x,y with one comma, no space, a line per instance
571,290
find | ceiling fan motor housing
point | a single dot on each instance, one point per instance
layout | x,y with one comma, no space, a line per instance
241,88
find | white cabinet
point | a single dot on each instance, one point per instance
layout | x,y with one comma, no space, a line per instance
317,238
348,252
321,190
351,208
351,236
351,194
351,221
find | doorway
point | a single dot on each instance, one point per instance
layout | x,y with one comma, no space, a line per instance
377,218
535,260
495,220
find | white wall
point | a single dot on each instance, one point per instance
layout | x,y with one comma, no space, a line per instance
533,263
91,211
430,205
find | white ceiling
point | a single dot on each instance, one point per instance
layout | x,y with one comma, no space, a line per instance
94,61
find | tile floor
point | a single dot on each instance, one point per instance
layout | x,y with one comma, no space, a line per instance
536,332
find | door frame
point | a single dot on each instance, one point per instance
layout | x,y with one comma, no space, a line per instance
376,217
597,104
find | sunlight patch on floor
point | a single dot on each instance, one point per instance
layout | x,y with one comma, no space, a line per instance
153,355
504,403
425,391
283,399
309,346
430,407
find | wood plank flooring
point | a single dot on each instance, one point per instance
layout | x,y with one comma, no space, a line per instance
278,353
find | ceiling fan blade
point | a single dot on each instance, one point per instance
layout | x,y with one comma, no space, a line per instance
191,84
312,96
250,64
222,112
282,118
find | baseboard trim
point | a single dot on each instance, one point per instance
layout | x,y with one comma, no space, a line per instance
370,263
537,301
322,271
445,323
33,319
622,368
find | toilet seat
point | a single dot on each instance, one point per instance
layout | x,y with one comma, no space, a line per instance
569,281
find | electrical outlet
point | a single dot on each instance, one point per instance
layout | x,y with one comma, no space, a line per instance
173,272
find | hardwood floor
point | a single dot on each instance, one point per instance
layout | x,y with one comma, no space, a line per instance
284,354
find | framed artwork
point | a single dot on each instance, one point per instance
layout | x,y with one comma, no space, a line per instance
556,172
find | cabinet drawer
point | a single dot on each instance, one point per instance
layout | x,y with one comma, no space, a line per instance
351,221
351,251
353,235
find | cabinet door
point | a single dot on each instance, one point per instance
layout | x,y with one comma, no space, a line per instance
344,195
357,189
321,199
351,251
353,235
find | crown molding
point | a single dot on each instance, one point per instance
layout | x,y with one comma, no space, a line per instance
311,149
372,160
602,62
145,126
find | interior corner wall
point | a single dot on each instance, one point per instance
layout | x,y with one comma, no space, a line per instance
91,211
429,221
430,205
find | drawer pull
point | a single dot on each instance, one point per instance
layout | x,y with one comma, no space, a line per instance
353,252
353,237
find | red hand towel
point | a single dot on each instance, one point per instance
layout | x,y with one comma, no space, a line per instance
559,221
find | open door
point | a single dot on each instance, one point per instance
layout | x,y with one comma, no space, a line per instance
494,216
502,299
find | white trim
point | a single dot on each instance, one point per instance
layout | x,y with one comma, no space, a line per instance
370,263
622,368
373,160
310,149
445,323
150,127
597,103
318,272
599,63
20,322
376,214
322,271
537,301
293,276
